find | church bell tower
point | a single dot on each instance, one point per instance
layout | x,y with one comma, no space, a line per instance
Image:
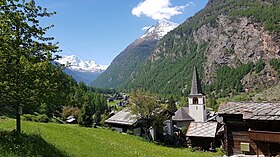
197,100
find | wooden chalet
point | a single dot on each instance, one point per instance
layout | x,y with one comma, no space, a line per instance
123,121
251,128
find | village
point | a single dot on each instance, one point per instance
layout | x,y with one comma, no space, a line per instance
240,128
141,78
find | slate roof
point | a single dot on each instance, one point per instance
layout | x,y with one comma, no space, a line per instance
182,114
123,117
196,86
251,110
202,129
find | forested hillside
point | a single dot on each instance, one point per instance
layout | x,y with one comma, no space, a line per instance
127,64
232,42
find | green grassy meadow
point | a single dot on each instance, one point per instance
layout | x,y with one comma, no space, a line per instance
40,139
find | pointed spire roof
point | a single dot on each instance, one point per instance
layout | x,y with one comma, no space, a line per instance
182,115
196,86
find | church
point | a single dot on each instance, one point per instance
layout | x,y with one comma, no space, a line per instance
202,126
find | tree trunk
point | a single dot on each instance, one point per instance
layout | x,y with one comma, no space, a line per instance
18,129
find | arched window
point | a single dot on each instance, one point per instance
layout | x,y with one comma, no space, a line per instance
195,100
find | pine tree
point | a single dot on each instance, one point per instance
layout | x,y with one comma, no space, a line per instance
85,117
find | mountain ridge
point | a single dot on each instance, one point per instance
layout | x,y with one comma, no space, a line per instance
74,63
231,43
125,65
81,71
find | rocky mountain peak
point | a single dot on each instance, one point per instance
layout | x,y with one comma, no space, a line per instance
75,64
160,29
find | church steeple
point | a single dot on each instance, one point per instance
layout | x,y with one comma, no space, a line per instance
196,86
197,104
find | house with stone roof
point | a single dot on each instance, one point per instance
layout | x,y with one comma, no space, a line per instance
251,128
123,121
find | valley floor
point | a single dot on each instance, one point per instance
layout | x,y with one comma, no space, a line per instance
71,140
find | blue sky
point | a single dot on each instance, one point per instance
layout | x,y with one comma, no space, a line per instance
100,29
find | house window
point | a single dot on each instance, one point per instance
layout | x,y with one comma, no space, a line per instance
195,100
196,107
203,107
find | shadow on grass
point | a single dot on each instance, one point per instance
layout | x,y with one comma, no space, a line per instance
13,144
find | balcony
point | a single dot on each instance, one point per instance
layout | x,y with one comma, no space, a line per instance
264,136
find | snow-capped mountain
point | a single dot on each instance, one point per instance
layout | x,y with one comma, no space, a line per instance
81,71
127,65
75,64
160,29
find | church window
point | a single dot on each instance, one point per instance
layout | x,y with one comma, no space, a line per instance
203,100
195,100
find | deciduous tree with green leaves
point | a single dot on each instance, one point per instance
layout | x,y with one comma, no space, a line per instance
27,76
147,106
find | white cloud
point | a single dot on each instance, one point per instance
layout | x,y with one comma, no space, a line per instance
158,9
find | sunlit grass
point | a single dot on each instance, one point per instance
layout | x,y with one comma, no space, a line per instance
78,141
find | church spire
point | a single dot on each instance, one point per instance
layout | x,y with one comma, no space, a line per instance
196,86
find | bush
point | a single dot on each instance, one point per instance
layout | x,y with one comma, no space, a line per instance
97,117
220,152
104,117
195,149
130,132
39,118
27,117
70,111
43,118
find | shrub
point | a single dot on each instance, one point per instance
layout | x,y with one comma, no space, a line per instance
130,132
70,111
104,117
259,66
43,118
39,118
27,117
220,152
97,117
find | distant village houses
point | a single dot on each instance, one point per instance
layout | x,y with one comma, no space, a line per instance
201,124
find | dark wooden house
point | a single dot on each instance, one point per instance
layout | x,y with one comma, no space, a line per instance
251,128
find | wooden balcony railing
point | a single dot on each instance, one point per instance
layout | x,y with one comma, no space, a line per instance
265,136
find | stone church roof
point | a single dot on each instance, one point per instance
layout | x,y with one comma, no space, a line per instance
182,114
196,86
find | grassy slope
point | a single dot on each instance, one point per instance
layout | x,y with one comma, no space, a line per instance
77,141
